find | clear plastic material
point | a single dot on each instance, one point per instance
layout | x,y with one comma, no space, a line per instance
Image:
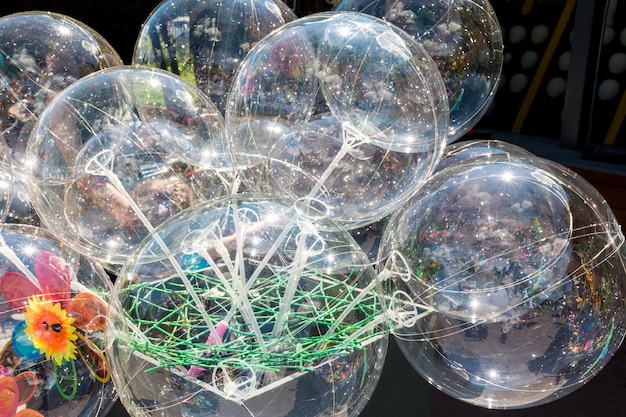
54,305
484,150
41,53
340,108
6,181
248,305
118,152
205,41
507,280
464,38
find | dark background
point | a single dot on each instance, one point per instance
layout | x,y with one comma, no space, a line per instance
401,392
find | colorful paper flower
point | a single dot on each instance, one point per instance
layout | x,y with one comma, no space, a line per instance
55,324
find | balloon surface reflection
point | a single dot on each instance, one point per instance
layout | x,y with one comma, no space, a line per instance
341,108
248,305
41,53
205,41
507,280
464,38
120,151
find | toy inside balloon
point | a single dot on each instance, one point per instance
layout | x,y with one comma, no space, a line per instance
53,310
248,304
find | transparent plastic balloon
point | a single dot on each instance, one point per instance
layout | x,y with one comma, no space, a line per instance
243,306
342,109
41,53
485,150
464,38
507,304
477,239
120,151
206,40
53,309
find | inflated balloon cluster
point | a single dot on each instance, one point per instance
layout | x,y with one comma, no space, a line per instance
274,197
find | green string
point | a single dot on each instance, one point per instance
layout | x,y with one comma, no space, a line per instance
175,334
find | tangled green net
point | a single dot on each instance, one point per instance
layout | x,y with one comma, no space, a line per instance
269,327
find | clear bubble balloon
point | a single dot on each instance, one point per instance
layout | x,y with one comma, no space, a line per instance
507,281
485,150
53,309
464,38
480,238
120,151
41,53
206,40
342,109
248,305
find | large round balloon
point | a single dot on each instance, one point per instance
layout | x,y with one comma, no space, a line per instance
479,239
464,38
118,152
247,305
342,109
507,281
41,53
206,40
53,309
